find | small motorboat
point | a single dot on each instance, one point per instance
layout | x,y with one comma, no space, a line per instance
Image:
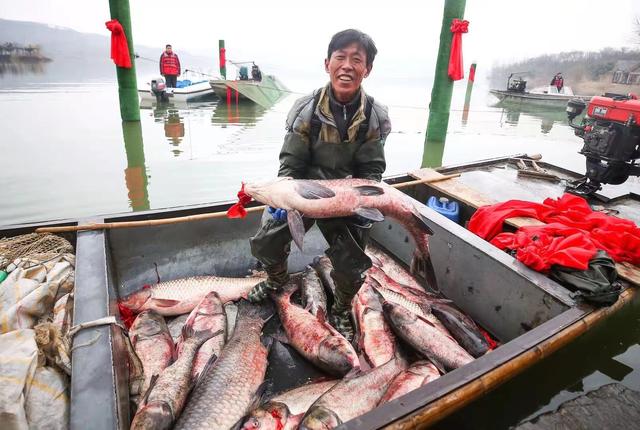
548,96
186,90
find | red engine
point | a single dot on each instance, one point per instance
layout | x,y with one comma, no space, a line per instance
611,109
611,134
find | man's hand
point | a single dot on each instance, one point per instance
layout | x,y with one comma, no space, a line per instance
277,213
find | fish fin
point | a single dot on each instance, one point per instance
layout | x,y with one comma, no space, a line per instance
311,190
205,370
267,342
296,227
187,332
165,303
372,214
321,315
422,223
421,265
354,372
280,336
152,383
369,190
437,363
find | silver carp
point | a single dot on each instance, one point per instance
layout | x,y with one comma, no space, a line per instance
313,337
424,337
285,410
342,198
180,296
153,345
323,268
392,268
230,387
313,295
166,397
375,340
208,315
418,374
351,397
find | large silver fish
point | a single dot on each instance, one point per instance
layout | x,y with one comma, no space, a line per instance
230,387
323,268
418,374
285,411
462,328
208,315
313,337
392,268
376,341
180,296
424,337
351,397
165,399
342,198
314,298
152,343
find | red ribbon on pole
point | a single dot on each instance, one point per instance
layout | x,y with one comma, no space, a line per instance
455,58
119,47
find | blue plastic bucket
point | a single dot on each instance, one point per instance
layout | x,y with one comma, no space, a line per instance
445,207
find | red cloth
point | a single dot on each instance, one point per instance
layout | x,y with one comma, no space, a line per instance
119,47
455,57
566,216
170,64
238,210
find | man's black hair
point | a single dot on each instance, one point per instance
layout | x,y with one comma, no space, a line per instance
168,46
347,37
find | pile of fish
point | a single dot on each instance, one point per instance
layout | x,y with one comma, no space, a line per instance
204,367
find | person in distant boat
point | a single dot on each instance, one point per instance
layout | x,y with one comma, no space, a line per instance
256,74
170,66
336,132
558,82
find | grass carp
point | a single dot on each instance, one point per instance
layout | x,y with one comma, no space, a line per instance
228,389
180,296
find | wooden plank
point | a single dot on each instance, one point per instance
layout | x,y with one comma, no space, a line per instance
612,406
467,195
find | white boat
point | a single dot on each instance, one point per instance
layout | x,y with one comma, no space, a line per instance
548,96
186,90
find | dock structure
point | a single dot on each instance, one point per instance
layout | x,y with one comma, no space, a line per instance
612,406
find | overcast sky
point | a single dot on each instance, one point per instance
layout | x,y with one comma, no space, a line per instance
294,35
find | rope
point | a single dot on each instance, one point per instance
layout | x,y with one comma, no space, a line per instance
95,323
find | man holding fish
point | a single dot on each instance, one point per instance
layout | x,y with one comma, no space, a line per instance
334,133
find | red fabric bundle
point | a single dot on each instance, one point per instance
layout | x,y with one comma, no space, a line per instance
455,57
238,210
119,47
572,236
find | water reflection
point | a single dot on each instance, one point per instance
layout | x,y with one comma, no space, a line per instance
548,117
135,175
247,114
14,68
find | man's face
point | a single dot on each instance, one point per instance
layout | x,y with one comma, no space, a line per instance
347,67
169,50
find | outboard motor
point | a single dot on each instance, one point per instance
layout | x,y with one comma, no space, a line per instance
159,89
611,134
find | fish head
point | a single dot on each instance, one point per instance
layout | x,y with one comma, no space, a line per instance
148,324
336,354
270,416
136,301
155,415
264,192
320,418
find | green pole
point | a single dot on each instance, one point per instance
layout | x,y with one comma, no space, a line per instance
442,89
223,59
127,84
467,96
135,175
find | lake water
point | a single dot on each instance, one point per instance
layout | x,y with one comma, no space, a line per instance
66,154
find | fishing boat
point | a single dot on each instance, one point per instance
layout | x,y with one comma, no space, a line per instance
528,313
547,96
186,91
266,92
